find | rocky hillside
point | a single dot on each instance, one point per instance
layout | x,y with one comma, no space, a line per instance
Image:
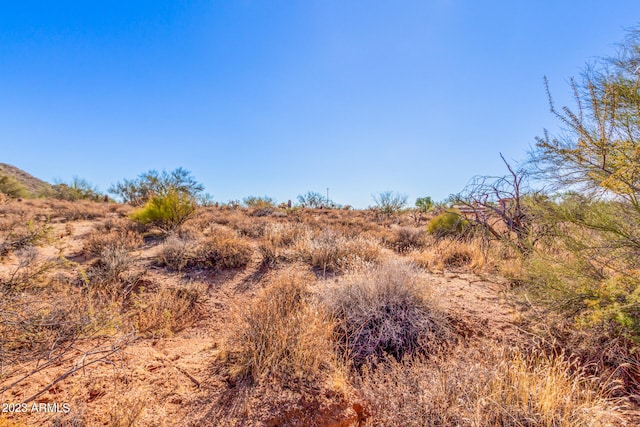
32,184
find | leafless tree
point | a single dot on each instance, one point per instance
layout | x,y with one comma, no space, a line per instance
496,203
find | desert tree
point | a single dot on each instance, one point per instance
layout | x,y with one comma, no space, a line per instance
594,163
598,154
138,191
498,205
424,204
599,150
389,202
313,199
259,202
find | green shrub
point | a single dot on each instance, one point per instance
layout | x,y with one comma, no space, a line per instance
11,187
259,202
167,211
447,224
424,204
77,189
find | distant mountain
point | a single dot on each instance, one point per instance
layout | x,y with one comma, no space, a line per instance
32,184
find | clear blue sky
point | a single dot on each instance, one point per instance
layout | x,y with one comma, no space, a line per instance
280,97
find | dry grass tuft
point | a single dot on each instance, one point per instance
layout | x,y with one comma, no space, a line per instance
221,248
445,253
127,409
178,252
330,251
484,388
276,239
111,274
166,310
386,311
281,334
113,234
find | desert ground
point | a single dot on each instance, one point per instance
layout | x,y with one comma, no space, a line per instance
278,317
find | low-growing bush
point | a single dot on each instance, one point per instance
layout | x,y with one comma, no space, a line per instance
407,238
447,224
27,272
111,274
386,312
223,249
178,252
276,239
11,187
17,233
166,211
99,240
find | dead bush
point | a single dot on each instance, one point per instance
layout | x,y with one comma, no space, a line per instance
39,326
29,333
386,311
111,274
223,249
276,239
63,210
25,272
178,252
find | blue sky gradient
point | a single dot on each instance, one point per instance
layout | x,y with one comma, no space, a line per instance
281,97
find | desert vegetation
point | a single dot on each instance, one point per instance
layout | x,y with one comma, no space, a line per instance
514,303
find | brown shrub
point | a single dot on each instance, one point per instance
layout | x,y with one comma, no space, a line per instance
386,312
408,238
18,231
63,210
111,274
223,249
277,238
26,272
178,252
